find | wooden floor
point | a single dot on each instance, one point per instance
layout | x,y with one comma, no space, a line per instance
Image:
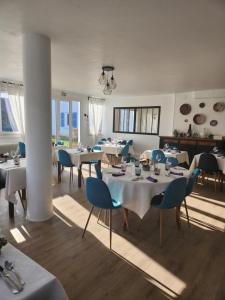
190,265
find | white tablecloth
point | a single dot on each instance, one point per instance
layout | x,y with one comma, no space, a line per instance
15,177
182,156
220,161
114,149
78,157
40,284
137,195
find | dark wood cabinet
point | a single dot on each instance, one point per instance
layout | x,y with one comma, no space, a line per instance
192,145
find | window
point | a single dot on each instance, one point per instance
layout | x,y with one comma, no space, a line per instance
7,121
65,121
137,120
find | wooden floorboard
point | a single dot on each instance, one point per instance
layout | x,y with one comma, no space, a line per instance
190,264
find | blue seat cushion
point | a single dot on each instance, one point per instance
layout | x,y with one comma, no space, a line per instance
156,200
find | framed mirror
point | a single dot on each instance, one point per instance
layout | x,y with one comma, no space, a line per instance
136,120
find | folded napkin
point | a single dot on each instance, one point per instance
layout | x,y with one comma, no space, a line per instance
177,173
149,178
116,167
118,174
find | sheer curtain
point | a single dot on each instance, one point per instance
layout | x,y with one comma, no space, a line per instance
15,108
95,117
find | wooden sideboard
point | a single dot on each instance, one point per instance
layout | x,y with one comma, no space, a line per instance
192,145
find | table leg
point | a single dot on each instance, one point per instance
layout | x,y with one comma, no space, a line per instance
59,172
79,175
125,219
11,210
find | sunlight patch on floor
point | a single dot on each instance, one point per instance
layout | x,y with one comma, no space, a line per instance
70,209
17,235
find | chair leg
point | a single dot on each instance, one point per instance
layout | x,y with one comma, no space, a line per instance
160,226
105,216
178,216
110,229
99,214
87,221
125,219
215,181
185,205
89,170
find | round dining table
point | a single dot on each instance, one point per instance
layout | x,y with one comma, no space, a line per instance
135,193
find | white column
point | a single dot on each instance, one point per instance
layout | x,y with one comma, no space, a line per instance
37,94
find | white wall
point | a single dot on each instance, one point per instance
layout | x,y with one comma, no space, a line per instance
209,97
141,142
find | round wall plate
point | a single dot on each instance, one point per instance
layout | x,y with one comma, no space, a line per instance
213,123
199,119
219,106
185,109
202,105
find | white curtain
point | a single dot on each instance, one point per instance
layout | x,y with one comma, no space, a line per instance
95,116
15,108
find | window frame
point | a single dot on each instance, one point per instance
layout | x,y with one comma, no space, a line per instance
135,108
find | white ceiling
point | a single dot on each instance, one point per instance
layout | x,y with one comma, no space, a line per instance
156,46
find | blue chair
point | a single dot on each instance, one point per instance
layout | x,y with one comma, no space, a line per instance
98,171
189,188
101,142
65,161
125,153
158,155
96,148
171,198
209,166
22,149
60,143
173,161
99,196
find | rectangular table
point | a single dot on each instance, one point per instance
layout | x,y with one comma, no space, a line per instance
181,156
15,181
78,158
39,283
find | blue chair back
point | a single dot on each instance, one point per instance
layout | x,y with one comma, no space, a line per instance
174,194
196,172
173,161
130,142
208,162
101,142
22,149
96,148
98,171
158,155
191,181
98,193
125,152
64,158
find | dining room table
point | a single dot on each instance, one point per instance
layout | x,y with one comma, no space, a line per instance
136,192
78,158
38,283
14,177
181,156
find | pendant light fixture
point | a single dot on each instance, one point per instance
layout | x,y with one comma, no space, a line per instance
107,80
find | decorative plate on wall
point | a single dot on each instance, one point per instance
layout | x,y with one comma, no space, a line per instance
213,123
185,109
202,105
219,106
199,119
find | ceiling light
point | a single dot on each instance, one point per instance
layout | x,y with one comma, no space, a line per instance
107,80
